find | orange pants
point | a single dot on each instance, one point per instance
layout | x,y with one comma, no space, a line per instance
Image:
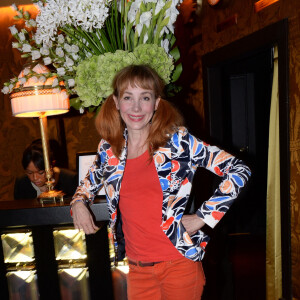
178,279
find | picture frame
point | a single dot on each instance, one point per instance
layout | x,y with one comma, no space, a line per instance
83,162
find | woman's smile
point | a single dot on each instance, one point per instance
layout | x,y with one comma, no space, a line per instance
136,118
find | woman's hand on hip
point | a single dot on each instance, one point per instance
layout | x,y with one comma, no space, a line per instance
82,218
192,223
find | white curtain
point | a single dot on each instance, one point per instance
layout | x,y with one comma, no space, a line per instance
273,254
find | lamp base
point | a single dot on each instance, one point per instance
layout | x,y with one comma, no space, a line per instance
52,196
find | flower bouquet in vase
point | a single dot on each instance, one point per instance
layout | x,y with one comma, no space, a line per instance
86,42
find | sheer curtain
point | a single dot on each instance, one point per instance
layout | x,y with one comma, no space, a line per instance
273,255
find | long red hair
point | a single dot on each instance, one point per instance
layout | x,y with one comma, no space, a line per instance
165,120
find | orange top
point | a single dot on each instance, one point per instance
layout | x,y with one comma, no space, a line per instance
141,209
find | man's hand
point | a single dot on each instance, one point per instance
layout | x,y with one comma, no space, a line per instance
192,223
82,218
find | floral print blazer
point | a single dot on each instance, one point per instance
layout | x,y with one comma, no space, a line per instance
176,164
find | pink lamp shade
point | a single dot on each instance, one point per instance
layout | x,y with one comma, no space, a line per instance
36,97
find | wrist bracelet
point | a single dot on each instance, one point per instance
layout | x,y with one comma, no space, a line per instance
72,202
77,200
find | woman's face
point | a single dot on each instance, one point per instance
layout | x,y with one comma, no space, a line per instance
137,107
35,175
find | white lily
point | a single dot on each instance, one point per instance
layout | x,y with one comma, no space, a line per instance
37,39
145,18
135,6
22,80
14,7
59,52
160,4
68,48
71,82
172,13
69,62
60,38
26,48
5,90
47,61
165,30
74,49
16,45
44,51
75,56
30,23
165,44
13,29
21,36
10,87
145,38
35,54
58,13
61,71
139,28
61,33
55,82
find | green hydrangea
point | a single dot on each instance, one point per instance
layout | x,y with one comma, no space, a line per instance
94,76
156,58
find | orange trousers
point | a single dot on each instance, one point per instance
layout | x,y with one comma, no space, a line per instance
178,279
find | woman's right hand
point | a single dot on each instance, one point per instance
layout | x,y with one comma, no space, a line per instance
82,218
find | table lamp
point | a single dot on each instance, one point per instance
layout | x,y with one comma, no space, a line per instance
37,98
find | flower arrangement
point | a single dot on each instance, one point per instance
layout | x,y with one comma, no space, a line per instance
85,42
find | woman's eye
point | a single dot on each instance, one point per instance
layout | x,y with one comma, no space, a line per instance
41,172
126,98
146,98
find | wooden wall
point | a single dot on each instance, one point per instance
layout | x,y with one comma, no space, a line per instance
201,37
197,35
17,133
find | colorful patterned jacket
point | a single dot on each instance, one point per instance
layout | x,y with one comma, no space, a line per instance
176,164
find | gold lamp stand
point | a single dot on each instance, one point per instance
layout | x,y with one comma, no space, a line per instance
37,98
50,195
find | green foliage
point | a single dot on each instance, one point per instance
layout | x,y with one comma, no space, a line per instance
95,75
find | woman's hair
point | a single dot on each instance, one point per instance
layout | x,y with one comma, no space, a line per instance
34,153
165,120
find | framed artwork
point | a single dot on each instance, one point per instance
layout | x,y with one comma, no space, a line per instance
83,161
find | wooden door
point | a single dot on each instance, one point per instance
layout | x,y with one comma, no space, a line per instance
237,91
239,122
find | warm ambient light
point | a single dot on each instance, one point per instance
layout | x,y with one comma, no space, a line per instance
7,13
17,247
77,273
69,244
35,97
27,276
259,5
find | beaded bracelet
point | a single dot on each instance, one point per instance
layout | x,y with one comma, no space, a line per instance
72,202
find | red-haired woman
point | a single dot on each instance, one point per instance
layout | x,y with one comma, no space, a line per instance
146,161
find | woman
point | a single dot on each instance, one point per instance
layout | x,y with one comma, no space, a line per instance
146,162
33,183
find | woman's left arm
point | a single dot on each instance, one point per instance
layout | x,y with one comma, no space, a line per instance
235,174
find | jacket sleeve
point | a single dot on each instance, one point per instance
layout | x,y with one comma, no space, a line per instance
233,171
93,181
23,189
